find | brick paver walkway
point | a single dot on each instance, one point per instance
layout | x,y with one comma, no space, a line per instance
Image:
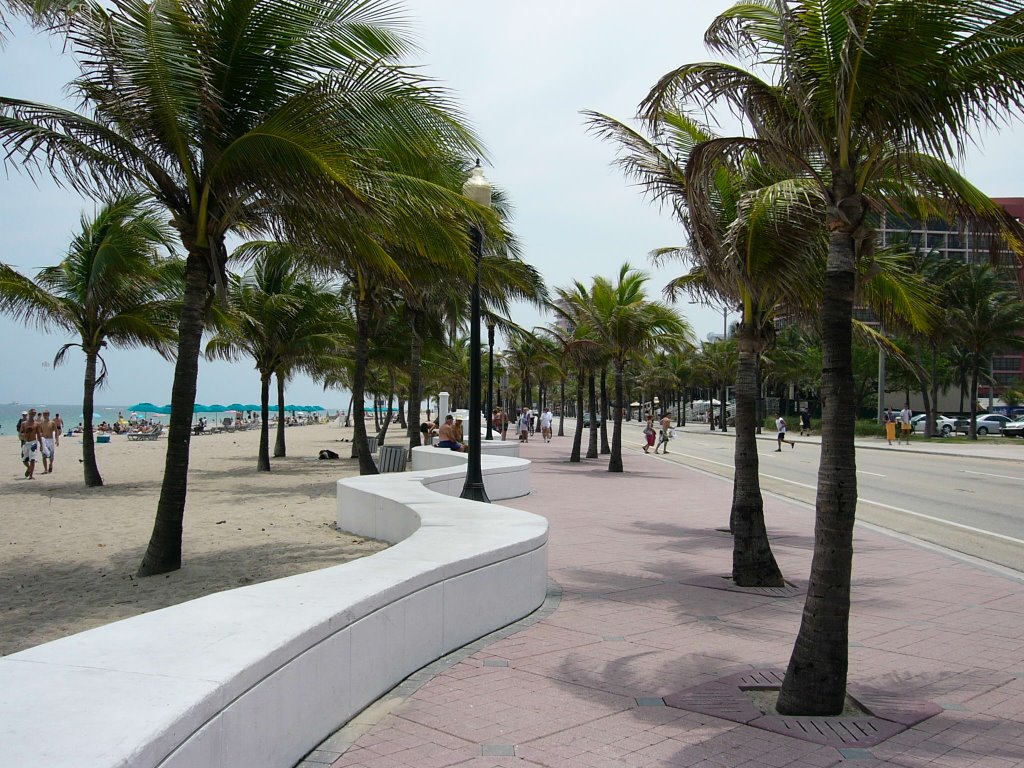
633,555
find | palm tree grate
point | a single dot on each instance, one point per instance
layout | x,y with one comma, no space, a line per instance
886,714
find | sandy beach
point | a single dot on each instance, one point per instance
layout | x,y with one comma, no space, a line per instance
68,554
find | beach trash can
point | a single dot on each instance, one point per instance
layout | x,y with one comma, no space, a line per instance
392,458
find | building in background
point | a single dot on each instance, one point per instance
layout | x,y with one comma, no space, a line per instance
968,243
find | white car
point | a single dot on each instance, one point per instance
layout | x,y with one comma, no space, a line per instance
944,425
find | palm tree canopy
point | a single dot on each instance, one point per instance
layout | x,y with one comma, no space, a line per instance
112,286
232,112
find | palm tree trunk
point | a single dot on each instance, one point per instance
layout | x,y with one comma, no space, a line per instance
815,682
386,421
561,414
932,420
279,447
92,472
972,430
263,456
577,438
163,554
415,378
753,564
592,400
615,462
362,356
605,448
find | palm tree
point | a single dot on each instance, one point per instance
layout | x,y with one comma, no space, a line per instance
626,325
111,288
247,114
987,317
838,116
283,319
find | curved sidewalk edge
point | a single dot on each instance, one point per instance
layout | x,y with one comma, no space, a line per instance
257,676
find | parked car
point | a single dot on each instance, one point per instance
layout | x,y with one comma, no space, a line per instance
944,425
586,420
989,422
1013,428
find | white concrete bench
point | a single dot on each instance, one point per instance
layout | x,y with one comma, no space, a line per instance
257,676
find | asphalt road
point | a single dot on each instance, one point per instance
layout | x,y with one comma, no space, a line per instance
971,504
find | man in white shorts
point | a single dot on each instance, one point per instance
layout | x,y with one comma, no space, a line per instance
48,432
30,439
546,420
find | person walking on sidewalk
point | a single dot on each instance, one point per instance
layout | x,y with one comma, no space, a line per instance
665,434
905,415
649,433
780,426
889,420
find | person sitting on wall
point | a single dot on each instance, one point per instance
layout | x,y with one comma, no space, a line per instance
446,435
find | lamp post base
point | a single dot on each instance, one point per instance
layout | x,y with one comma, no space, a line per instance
474,492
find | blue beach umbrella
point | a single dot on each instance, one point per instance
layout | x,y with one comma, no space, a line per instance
216,408
238,407
144,407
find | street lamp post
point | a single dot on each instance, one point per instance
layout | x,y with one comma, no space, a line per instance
477,189
490,376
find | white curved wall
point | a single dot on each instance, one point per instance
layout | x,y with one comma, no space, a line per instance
257,676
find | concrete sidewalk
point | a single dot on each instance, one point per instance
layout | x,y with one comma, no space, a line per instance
640,616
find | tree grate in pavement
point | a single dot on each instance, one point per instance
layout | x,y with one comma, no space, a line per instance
726,698
725,583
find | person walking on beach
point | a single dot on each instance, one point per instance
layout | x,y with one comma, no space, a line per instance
889,420
58,427
780,426
905,416
30,439
666,433
48,440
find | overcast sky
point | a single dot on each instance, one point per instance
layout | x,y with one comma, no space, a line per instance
522,72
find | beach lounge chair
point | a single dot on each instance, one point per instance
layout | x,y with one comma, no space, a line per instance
151,434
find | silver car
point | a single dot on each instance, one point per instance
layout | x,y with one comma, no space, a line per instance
989,422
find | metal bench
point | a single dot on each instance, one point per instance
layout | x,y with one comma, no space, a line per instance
392,458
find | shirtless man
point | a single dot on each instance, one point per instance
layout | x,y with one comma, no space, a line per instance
666,433
58,425
30,440
48,432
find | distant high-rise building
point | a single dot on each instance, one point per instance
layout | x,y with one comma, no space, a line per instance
968,243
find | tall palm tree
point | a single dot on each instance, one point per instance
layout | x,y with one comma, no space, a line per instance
282,318
239,114
987,317
627,325
111,288
837,115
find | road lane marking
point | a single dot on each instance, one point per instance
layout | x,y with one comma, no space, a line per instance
921,515
933,519
989,474
873,474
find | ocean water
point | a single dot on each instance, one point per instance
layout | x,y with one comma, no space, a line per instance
71,414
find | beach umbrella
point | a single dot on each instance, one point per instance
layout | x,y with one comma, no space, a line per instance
144,407
216,408
238,407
